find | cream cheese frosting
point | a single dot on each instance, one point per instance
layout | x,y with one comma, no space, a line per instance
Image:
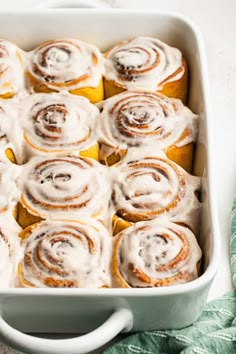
10,250
10,129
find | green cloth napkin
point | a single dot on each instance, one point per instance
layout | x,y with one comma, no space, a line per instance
213,333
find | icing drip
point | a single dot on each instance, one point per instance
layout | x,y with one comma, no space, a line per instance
10,250
9,189
10,130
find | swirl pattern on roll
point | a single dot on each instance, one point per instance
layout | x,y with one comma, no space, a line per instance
65,187
151,187
66,64
155,253
11,69
65,254
143,63
58,123
135,118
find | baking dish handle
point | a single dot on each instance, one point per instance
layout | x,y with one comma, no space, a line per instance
120,321
82,4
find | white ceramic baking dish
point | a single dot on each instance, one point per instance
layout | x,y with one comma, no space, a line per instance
106,312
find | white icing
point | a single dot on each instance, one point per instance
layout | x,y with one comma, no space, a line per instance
65,187
58,123
82,251
10,250
65,60
10,129
71,187
149,186
9,189
143,118
143,63
146,246
11,68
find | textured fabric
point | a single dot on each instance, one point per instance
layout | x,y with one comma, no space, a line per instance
213,333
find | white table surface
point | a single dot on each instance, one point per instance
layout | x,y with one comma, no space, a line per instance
216,20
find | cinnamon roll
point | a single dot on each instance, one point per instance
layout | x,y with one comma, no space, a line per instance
10,250
63,188
145,63
59,123
151,187
65,254
155,253
11,69
67,64
144,118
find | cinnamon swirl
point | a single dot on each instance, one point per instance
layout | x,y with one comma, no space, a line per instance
11,69
59,123
65,254
145,63
63,188
151,187
67,64
155,253
144,118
